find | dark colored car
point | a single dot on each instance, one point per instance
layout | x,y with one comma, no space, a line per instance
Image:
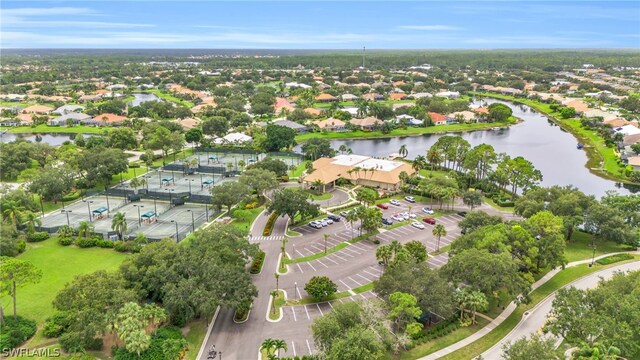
462,213
334,217
431,221
387,221
383,206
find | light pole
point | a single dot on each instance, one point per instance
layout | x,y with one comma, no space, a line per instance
67,213
201,184
190,181
170,196
88,207
107,195
220,353
206,212
193,223
175,222
148,177
155,207
138,207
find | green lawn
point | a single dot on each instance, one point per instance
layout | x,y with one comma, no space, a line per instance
323,196
245,224
579,248
59,265
169,97
496,206
561,279
434,173
195,335
298,171
434,345
403,132
43,128
279,302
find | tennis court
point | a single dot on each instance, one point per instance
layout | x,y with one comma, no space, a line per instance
91,209
178,183
178,222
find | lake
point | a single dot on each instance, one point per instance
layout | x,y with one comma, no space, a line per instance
142,97
53,139
537,139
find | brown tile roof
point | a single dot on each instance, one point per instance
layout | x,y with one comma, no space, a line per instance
282,103
37,109
109,118
398,96
366,122
313,111
326,97
327,171
617,122
329,123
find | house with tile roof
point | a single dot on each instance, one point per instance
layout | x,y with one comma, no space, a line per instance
74,117
331,124
37,109
106,119
437,119
326,98
368,123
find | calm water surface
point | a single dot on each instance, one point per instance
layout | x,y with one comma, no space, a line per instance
550,149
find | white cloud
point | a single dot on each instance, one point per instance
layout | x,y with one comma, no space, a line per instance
429,27
23,12
29,18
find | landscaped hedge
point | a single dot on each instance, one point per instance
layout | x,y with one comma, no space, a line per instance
55,325
65,241
73,196
268,228
37,236
251,205
16,331
614,259
256,265
443,328
166,343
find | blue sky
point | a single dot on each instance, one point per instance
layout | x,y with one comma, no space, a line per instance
319,25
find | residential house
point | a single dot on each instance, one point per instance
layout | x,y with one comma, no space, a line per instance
75,118
37,109
9,122
449,94
282,104
331,124
85,98
616,123
605,115
313,111
25,119
463,116
631,139
349,97
410,120
291,125
438,119
421,95
397,96
634,162
105,120
368,123
324,98
188,123
627,130
66,109
373,97
234,138
580,106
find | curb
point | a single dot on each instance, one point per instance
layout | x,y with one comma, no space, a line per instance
206,338
280,309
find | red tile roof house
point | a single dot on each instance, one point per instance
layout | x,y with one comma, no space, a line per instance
438,119
397,97
281,104
106,120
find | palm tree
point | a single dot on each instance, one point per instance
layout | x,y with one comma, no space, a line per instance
280,344
403,152
274,296
363,107
242,164
352,216
384,254
12,211
439,231
277,276
119,224
471,300
84,229
155,314
31,219
326,236
419,163
342,149
135,183
268,345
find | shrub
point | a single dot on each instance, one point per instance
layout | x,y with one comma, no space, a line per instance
55,325
614,259
38,236
251,205
166,343
73,196
284,178
65,241
22,246
376,241
86,243
256,265
16,331
105,244
126,246
135,164
268,228
320,287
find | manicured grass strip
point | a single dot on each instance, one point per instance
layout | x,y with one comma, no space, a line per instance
325,196
43,128
434,345
363,288
292,233
496,206
404,132
169,97
339,295
245,224
195,335
579,247
561,279
59,265
318,255
279,302
298,171
614,259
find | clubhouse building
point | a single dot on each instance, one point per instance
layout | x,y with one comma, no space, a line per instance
360,170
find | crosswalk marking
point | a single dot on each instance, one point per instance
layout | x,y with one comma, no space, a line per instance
267,238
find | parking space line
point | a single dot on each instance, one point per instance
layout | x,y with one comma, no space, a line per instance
301,254
369,280
347,250
339,257
374,275
330,259
308,346
294,314
356,246
314,269
349,277
345,285
321,313
305,310
321,263
300,268
293,345
362,296
330,305
342,252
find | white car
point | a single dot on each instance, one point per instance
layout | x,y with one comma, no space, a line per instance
405,216
412,215
398,217
428,210
410,199
328,221
418,225
323,223
394,202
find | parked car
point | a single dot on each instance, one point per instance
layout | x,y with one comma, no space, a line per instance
386,221
428,210
315,224
383,206
323,222
431,221
462,213
328,220
416,224
410,199
405,216
398,217
335,218
394,202
344,213
412,216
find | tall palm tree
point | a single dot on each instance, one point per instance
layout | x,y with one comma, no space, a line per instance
277,277
155,314
439,231
31,219
403,152
119,224
12,211
268,345
342,149
419,163
352,216
384,254
326,236
84,229
280,344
